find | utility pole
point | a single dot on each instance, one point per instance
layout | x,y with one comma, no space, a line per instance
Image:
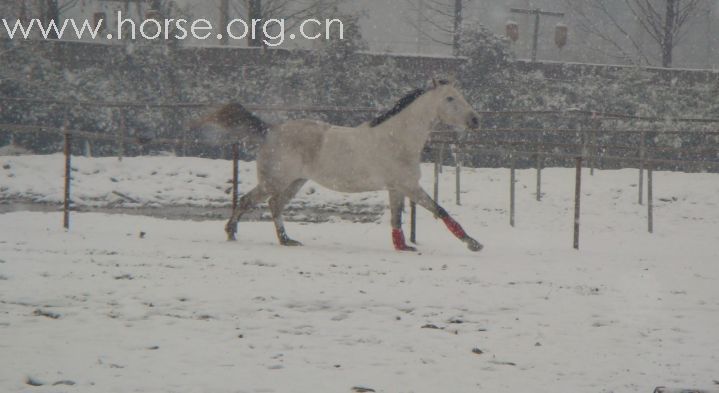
52,14
420,20
709,37
154,5
224,18
457,26
669,33
537,14
255,39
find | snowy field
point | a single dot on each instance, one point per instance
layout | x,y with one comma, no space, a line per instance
102,309
155,182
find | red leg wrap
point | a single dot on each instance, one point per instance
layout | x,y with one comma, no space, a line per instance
398,240
454,227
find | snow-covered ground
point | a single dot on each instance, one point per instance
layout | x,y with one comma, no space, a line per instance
101,308
141,182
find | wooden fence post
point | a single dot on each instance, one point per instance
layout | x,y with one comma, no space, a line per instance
235,177
436,176
596,125
650,199
88,148
642,153
121,136
512,187
584,138
540,164
441,158
539,175
413,222
68,174
458,175
577,201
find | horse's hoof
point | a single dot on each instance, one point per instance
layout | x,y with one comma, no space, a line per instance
231,231
291,243
474,245
406,249
231,235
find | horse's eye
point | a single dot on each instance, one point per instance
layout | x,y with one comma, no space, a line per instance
450,99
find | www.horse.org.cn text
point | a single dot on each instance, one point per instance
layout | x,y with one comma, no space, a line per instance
272,32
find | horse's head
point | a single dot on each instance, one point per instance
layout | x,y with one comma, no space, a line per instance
453,108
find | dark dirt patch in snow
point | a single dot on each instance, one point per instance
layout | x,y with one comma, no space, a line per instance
44,313
351,213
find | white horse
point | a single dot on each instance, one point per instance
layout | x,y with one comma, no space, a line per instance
383,154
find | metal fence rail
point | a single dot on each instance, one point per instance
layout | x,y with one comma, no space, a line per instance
596,115
438,144
580,154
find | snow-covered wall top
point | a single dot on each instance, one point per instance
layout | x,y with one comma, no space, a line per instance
75,54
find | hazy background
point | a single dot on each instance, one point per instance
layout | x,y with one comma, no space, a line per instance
389,26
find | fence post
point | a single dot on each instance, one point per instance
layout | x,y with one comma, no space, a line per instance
539,176
183,145
436,176
121,136
597,124
235,176
458,175
584,140
88,148
540,140
512,181
650,199
68,174
577,201
413,222
441,158
642,153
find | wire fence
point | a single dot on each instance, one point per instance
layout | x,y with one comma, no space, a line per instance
585,154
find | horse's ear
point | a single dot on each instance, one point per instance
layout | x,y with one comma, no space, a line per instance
452,80
434,83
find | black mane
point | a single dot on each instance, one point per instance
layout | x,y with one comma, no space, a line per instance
398,107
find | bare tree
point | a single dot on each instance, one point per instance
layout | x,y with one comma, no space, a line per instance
440,21
164,8
45,10
53,9
293,11
13,9
664,21
224,18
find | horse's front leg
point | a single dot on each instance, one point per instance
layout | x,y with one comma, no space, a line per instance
396,205
420,197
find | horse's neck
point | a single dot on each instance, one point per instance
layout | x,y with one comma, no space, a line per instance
412,126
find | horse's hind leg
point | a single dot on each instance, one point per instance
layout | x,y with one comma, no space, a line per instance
277,205
247,202
396,205
418,195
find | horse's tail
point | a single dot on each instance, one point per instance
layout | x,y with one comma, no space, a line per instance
237,121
